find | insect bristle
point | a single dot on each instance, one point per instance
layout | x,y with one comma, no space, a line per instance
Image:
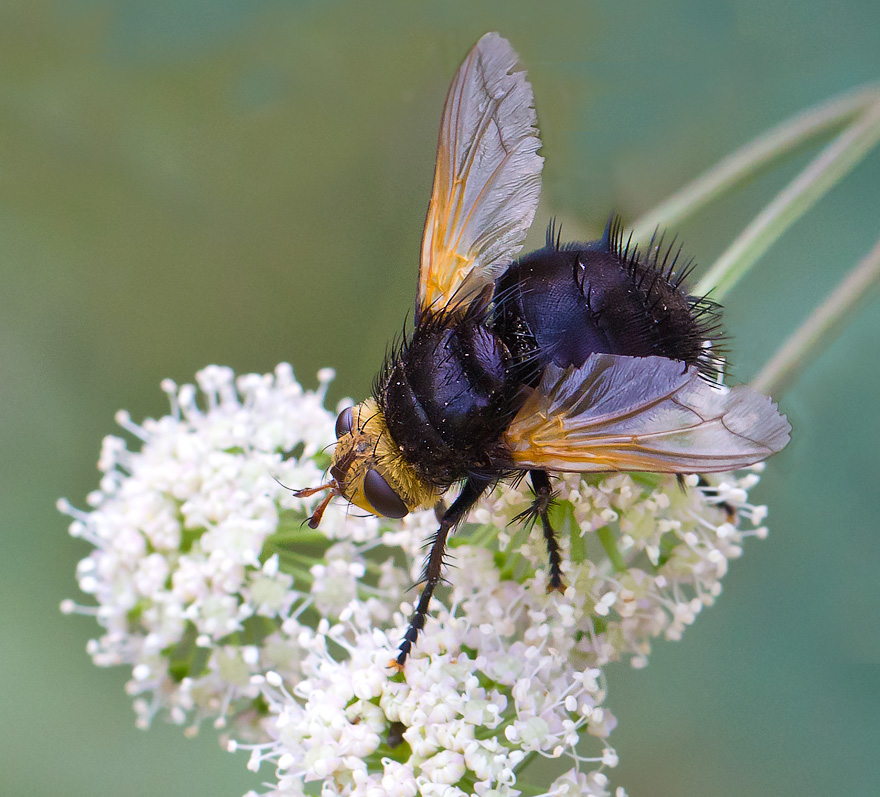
553,236
659,277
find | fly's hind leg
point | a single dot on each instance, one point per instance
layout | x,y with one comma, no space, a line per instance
538,510
433,570
729,510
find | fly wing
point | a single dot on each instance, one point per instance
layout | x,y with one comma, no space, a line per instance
642,413
487,179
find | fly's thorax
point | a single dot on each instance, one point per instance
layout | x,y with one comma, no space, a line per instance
447,395
366,449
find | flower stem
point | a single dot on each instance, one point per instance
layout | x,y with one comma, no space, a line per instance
752,157
610,545
821,328
820,175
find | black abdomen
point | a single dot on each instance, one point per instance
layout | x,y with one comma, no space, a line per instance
561,304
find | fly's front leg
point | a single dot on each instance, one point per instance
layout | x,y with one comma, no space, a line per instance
539,508
433,571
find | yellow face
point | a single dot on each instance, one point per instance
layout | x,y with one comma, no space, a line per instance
369,469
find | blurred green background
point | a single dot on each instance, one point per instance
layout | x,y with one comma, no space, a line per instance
245,183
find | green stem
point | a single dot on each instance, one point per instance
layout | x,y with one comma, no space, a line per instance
521,767
752,157
302,578
294,557
610,546
820,175
821,328
300,534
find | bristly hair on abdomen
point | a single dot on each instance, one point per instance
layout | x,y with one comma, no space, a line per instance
659,271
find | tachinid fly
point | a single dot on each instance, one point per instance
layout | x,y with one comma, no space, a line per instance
583,357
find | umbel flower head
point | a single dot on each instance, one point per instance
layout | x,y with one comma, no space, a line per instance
207,583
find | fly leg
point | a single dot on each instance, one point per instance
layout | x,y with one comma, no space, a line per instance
433,571
729,510
539,509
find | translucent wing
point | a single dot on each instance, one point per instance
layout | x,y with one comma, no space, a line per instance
487,179
642,413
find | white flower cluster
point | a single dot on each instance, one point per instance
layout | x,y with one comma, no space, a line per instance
491,683
226,606
193,571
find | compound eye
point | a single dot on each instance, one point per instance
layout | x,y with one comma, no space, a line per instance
381,497
344,422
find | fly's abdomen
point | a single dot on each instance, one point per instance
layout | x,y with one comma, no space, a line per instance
562,304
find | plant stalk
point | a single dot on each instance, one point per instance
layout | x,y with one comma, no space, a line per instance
749,159
821,328
821,174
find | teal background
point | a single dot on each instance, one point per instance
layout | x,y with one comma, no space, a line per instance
245,183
